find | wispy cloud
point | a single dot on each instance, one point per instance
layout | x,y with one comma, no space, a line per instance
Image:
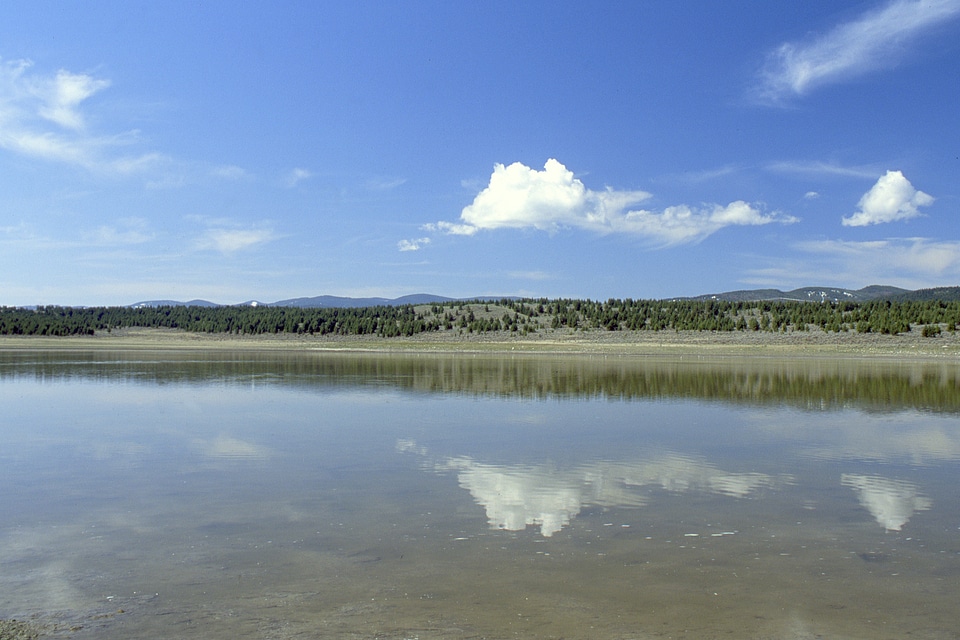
895,256
819,168
706,175
875,40
229,172
127,231
123,232
911,263
529,275
232,240
226,236
41,117
518,197
891,198
384,184
61,96
296,176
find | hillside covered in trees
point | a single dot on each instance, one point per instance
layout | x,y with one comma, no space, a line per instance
509,316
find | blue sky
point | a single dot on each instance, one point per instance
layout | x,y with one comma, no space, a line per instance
235,151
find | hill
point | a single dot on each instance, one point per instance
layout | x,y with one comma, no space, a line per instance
315,302
803,294
809,294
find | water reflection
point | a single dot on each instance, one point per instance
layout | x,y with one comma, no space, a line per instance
516,496
891,502
225,447
809,384
251,495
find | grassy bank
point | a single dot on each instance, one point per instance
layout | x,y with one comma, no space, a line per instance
806,343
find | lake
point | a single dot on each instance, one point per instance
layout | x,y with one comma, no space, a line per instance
219,494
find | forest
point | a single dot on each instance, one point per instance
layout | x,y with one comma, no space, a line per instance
516,317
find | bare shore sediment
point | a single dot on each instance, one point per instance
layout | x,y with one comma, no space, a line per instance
812,343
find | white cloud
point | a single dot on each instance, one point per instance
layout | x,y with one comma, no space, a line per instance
450,228
30,103
891,198
518,197
873,41
412,245
811,195
680,224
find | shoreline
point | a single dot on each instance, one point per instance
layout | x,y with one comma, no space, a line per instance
812,343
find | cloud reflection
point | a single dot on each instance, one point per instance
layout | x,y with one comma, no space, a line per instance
225,447
517,496
891,502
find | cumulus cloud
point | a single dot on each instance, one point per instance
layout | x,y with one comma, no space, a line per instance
41,117
891,198
518,197
875,40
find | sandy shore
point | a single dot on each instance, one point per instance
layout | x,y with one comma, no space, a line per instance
802,344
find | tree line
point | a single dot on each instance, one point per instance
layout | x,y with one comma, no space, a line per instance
507,315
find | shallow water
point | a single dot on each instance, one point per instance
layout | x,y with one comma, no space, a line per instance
252,495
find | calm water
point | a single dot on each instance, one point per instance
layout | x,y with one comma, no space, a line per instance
244,495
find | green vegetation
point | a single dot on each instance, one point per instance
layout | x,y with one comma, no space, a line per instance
515,317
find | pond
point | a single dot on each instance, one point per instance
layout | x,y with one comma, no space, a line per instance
221,494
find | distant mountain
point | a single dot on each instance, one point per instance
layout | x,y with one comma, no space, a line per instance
937,293
810,294
175,303
329,302
805,294
339,302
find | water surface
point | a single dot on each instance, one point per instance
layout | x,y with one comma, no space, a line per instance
252,495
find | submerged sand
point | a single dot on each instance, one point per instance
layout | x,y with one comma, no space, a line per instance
764,344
